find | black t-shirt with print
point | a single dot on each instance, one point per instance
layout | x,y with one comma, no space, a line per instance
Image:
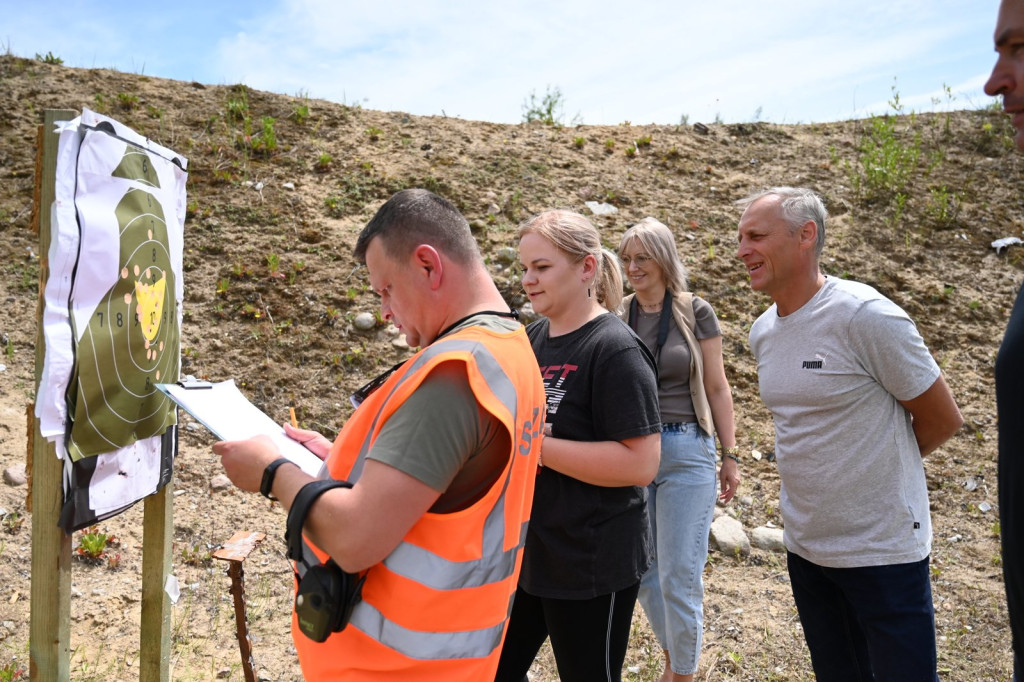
586,540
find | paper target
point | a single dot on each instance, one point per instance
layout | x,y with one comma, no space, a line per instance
131,339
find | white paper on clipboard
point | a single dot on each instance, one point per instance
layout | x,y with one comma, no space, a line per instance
229,415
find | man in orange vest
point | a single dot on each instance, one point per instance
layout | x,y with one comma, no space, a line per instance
441,456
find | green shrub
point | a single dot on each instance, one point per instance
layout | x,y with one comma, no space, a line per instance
549,110
49,58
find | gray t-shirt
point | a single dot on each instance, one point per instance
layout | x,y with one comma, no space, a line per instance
674,360
832,373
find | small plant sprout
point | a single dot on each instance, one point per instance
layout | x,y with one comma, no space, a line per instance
578,142
93,544
609,145
265,142
223,284
251,310
643,141
196,555
127,101
323,162
238,108
240,271
374,133
12,672
300,112
296,269
274,266
12,522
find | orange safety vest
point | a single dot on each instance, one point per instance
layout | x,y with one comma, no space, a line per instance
436,608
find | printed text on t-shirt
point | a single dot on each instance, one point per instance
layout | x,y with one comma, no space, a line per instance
554,376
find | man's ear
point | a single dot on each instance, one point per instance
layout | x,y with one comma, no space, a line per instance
809,235
427,261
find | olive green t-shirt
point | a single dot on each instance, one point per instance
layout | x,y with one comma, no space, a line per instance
443,437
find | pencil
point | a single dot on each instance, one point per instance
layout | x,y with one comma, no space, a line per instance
295,422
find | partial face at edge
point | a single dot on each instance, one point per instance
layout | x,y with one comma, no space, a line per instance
1007,77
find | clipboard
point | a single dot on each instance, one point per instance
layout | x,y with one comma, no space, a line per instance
229,415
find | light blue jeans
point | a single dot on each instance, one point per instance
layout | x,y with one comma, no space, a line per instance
681,503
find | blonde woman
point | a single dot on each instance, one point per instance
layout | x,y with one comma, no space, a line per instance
682,331
589,539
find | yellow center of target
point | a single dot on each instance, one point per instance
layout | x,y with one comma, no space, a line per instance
151,306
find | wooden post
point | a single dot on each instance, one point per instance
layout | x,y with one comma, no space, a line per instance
235,552
155,634
50,606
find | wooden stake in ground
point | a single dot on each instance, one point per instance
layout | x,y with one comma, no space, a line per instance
235,552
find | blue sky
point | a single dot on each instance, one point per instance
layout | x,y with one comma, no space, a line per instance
643,61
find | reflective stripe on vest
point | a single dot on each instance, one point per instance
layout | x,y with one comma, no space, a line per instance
432,570
427,646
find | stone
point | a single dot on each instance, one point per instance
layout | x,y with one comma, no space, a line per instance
14,475
769,539
364,321
601,208
220,482
728,536
507,255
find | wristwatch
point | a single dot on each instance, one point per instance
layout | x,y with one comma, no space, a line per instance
268,477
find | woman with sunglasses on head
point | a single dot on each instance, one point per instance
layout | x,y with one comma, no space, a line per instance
682,331
589,539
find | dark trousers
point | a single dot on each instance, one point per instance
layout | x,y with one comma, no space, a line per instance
588,636
870,623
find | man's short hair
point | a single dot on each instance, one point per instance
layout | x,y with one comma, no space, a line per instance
798,206
417,216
